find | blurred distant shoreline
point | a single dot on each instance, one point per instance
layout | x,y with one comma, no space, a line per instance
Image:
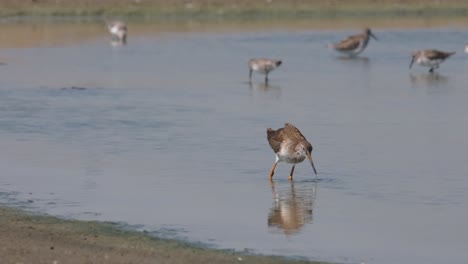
233,9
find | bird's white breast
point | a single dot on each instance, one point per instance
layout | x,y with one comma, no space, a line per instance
114,30
255,67
424,61
289,157
260,69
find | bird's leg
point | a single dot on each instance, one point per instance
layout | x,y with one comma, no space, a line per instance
292,172
266,78
431,70
250,75
272,171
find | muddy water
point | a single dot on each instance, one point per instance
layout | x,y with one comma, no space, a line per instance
166,135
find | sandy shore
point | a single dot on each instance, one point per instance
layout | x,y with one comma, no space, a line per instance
28,238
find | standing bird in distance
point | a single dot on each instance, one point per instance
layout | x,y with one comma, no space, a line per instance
263,66
118,30
353,45
429,58
290,146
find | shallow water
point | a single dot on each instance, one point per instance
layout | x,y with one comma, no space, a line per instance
166,135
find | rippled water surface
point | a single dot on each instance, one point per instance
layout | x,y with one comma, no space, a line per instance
166,135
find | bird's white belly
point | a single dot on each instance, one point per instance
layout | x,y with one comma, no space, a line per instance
114,30
427,62
285,156
355,51
259,69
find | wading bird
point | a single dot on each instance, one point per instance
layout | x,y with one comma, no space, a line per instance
353,45
263,66
429,58
290,146
118,30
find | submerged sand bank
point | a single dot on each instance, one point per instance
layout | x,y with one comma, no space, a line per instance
28,238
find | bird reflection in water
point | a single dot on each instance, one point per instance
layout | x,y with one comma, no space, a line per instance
428,79
273,90
263,86
433,82
293,207
356,60
116,43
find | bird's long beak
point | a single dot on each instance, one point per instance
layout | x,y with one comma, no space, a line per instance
411,63
373,36
309,156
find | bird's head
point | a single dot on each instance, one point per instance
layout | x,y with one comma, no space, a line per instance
368,32
305,148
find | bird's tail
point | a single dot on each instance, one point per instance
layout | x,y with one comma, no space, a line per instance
448,54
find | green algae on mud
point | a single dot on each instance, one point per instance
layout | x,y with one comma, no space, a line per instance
237,9
31,238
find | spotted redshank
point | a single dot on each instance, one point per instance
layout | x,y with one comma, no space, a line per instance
290,146
353,45
429,58
263,66
118,29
